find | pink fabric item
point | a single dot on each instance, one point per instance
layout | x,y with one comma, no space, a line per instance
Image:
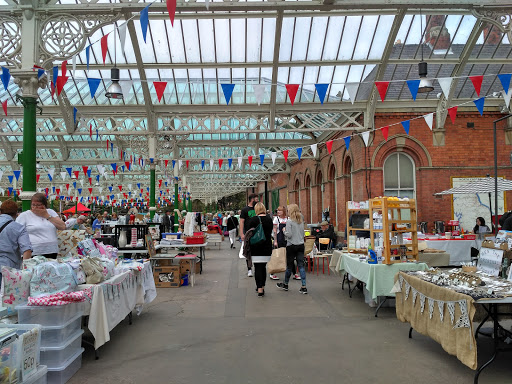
61,298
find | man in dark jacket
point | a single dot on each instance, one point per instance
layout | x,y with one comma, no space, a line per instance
166,222
326,232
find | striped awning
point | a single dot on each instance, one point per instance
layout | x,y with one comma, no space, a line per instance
483,185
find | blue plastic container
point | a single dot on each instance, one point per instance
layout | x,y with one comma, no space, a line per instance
184,279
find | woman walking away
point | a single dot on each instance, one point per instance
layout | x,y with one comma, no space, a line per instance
232,225
294,233
261,251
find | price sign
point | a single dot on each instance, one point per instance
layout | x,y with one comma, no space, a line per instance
29,349
490,260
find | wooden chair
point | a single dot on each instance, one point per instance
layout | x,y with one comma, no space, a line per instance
323,241
309,242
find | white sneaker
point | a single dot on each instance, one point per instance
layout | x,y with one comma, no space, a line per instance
296,277
249,274
274,277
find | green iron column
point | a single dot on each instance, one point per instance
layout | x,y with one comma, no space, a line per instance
28,161
190,202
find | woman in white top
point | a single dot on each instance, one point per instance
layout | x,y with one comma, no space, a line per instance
279,238
42,224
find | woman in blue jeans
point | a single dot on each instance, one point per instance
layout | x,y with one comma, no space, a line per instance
294,233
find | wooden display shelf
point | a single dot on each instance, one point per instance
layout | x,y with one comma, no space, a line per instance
351,231
392,211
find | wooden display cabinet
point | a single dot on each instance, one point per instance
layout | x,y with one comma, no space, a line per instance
351,230
393,223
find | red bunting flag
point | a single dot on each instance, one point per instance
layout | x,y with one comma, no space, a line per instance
61,81
477,83
249,159
292,91
37,178
220,163
90,191
67,187
114,173
107,145
160,88
63,67
76,173
4,107
159,183
171,8
58,191
453,113
52,87
187,162
120,188
382,87
385,132
90,180
104,47
85,168
166,162
90,130
329,146
127,163
285,154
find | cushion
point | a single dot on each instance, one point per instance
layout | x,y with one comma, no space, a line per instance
16,286
52,277
68,240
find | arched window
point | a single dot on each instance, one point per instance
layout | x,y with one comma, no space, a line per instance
307,185
399,176
297,191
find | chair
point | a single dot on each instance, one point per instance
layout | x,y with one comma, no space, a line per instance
309,242
324,241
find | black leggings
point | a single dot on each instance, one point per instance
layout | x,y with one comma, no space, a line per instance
260,274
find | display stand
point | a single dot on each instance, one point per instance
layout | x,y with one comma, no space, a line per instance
394,224
142,230
354,228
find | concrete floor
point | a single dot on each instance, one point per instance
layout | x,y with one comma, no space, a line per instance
220,332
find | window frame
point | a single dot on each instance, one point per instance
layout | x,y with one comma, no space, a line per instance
399,188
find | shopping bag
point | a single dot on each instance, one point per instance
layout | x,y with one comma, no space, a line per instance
277,261
241,253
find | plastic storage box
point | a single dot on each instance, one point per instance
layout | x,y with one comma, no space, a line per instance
14,356
195,239
40,377
54,336
55,357
62,374
57,315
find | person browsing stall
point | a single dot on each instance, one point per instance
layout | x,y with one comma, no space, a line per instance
294,233
261,251
78,224
247,213
14,240
41,224
279,238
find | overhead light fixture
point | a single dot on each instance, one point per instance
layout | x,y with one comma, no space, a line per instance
114,91
38,165
97,184
425,84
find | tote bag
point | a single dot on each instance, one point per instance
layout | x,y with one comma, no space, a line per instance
277,261
259,235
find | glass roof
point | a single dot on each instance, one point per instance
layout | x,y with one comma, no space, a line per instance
233,46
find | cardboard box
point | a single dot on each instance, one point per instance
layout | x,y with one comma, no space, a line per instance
167,277
185,265
165,263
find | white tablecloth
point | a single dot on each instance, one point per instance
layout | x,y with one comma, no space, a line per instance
459,250
115,298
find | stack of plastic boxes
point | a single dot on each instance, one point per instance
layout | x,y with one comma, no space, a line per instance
61,338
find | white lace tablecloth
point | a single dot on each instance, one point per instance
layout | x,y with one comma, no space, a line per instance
114,299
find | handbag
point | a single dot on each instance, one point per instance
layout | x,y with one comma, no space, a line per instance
259,235
277,261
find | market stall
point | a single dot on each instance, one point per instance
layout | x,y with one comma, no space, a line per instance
458,249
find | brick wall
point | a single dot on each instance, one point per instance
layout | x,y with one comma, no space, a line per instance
467,152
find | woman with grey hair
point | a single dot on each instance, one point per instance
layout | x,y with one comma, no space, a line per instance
232,225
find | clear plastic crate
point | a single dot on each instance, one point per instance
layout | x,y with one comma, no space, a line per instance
62,374
54,357
54,315
15,355
53,336
40,377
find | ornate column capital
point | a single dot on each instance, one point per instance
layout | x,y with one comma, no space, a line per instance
29,83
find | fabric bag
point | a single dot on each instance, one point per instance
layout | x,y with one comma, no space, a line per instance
277,261
52,277
93,270
258,235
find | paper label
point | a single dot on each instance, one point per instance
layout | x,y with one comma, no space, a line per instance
490,261
29,349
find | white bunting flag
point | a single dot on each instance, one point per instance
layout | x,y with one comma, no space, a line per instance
180,163
82,182
507,96
211,164
74,64
240,162
129,187
101,169
259,92
445,83
429,119
207,3
274,157
366,137
51,172
126,86
313,149
352,89
101,190
1,174
63,175
122,35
